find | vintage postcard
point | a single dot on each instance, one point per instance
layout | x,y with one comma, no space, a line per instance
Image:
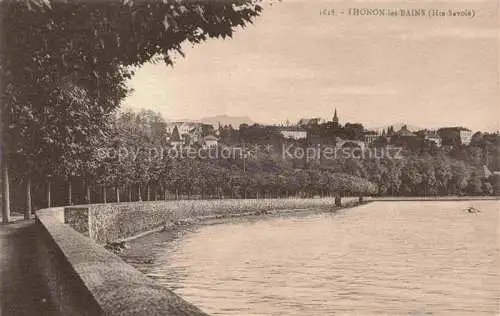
249,157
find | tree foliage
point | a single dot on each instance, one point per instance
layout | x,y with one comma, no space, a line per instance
64,67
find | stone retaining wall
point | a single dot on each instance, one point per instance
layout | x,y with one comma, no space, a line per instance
85,279
117,221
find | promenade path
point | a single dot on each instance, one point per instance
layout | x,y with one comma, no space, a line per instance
22,290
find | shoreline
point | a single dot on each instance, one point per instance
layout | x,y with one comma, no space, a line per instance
179,226
176,226
432,198
134,252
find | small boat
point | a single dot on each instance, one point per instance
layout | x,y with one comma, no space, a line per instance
472,210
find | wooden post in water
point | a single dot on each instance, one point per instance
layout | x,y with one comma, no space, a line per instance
338,200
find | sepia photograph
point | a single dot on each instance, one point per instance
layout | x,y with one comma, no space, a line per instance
249,157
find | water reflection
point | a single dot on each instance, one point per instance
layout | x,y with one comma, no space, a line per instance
401,258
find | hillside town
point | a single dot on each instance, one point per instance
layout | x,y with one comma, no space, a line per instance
319,130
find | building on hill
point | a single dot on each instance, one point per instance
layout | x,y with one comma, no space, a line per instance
342,143
405,132
455,136
335,119
210,141
431,136
190,132
197,133
307,122
182,127
370,136
293,132
404,137
465,136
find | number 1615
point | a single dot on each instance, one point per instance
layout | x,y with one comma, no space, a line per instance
327,12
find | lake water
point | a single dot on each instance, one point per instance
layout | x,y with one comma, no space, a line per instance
382,258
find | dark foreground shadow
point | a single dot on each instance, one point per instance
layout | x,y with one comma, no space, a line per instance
22,289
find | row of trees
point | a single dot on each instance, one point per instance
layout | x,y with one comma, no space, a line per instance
133,163
63,76
130,166
424,168
63,72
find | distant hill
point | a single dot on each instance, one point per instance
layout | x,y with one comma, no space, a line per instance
235,121
397,127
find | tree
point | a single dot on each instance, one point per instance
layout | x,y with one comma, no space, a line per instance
459,179
353,131
475,186
89,46
342,184
443,174
411,178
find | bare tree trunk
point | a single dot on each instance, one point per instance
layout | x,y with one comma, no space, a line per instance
139,197
105,194
129,193
165,194
117,192
6,194
27,212
70,192
4,170
48,192
87,193
176,194
149,192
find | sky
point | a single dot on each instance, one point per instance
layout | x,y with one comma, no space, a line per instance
294,62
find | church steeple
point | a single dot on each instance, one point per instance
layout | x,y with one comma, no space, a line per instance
335,118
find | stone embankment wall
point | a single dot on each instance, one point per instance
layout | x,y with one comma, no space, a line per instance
85,279
117,221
